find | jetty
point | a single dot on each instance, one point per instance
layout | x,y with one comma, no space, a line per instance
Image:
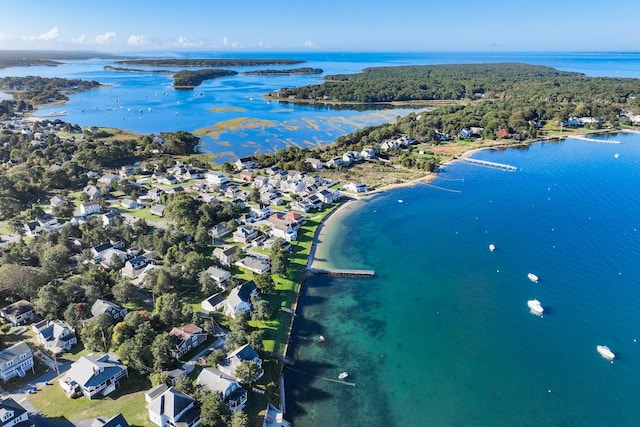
341,272
603,141
350,384
486,163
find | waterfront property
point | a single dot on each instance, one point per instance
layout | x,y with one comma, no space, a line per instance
230,392
15,361
245,353
170,408
94,374
239,299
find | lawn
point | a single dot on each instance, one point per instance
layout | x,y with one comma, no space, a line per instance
128,400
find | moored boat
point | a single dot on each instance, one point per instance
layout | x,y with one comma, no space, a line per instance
533,277
492,247
343,375
535,307
605,352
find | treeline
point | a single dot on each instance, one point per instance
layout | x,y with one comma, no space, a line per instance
134,70
302,70
42,90
505,81
191,79
219,62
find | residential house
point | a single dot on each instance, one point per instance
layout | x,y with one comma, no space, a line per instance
236,357
102,306
226,254
92,192
187,337
246,175
230,392
244,234
254,264
466,133
334,163
15,361
213,303
19,313
126,171
12,414
168,180
154,194
356,187
157,210
94,374
135,266
89,208
217,178
109,178
316,164
56,202
327,196
98,252
55,336
221,229
115,421
246,163
171,408
109,219
130,204
217,274
239,299
367,153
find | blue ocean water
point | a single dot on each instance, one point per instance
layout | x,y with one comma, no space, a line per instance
241,121
442,336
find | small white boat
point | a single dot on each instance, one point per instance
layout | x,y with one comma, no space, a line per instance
343,375
533,277
535,307
400,201
492,247
605,352
616,155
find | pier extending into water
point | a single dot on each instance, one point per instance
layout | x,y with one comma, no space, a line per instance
604,141
322,378
342,272
501,166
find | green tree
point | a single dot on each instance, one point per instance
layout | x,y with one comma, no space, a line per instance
264,283
124,292
160,351
239,419
214,412
50,302
96,333
215,357
55,259
248,371
261,309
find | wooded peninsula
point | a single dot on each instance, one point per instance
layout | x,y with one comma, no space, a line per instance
220,62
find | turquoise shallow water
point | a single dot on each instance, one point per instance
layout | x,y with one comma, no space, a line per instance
443,336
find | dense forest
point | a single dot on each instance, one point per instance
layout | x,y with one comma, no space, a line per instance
189,79
303,70
41,90
219,62
31,58
134,70
505,81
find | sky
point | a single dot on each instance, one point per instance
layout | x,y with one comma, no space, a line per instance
121,26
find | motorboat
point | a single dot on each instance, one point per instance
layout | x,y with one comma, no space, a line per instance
321,339
605,352
533,277
492,247
343,375
535,307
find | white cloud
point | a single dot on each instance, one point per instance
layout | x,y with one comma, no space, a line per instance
224,41
82,39
309,44
105,38
52,34
139,40
185,42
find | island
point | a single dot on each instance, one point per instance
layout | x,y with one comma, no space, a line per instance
187,79
208,62
303,70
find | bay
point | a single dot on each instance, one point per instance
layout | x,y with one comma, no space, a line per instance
234,118
443,335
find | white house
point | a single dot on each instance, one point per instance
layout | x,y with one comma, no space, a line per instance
230,392
172,408
254,264
55,335
239,299
15,361
89,208
213,303
217,178
217,274
236,357
94,374
244,234
12,414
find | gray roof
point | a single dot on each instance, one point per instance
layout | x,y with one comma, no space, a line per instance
171,402
101,306
115,421
214,380
18,308
92,370
10,405
14,351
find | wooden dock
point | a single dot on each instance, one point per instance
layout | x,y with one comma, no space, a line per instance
486,163
342,272
602,141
